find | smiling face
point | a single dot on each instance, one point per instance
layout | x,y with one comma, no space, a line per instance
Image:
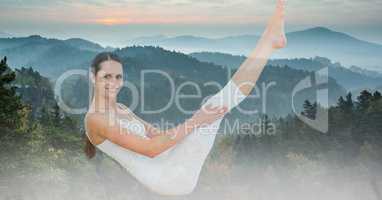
109,79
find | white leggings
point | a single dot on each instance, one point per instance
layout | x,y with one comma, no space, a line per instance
176,171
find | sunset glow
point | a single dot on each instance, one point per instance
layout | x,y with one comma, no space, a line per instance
99,19
112,21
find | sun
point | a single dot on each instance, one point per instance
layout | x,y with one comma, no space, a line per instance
112,21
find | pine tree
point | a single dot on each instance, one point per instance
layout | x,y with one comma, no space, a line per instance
310,110
10,103
341,102
349,101
377,96
364,100
363,126
346,107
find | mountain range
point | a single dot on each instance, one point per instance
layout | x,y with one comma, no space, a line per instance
316,41
272,96
51,57
312,42
353,78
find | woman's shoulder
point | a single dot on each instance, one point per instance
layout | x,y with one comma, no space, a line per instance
93,123
94,118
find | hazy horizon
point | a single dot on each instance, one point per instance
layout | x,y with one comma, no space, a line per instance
113,23
118,39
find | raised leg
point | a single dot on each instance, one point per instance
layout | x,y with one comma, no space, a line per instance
176,171
272,39
181,165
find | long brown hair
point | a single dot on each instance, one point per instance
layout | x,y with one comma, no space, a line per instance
90,149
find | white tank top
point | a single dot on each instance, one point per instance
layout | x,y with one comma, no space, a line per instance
137,164
134,126
122,154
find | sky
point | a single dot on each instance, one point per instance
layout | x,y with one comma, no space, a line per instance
115,22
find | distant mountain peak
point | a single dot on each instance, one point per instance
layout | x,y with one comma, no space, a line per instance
34,36
83,44
320,29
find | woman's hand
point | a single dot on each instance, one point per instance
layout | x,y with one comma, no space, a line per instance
208,114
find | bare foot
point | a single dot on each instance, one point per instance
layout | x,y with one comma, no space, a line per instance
275,28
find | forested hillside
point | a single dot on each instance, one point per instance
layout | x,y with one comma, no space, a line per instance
41,149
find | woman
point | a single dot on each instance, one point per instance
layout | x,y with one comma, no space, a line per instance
169,161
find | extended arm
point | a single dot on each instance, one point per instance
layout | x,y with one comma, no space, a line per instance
110,129
151,131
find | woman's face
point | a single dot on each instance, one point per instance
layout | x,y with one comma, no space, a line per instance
109,79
